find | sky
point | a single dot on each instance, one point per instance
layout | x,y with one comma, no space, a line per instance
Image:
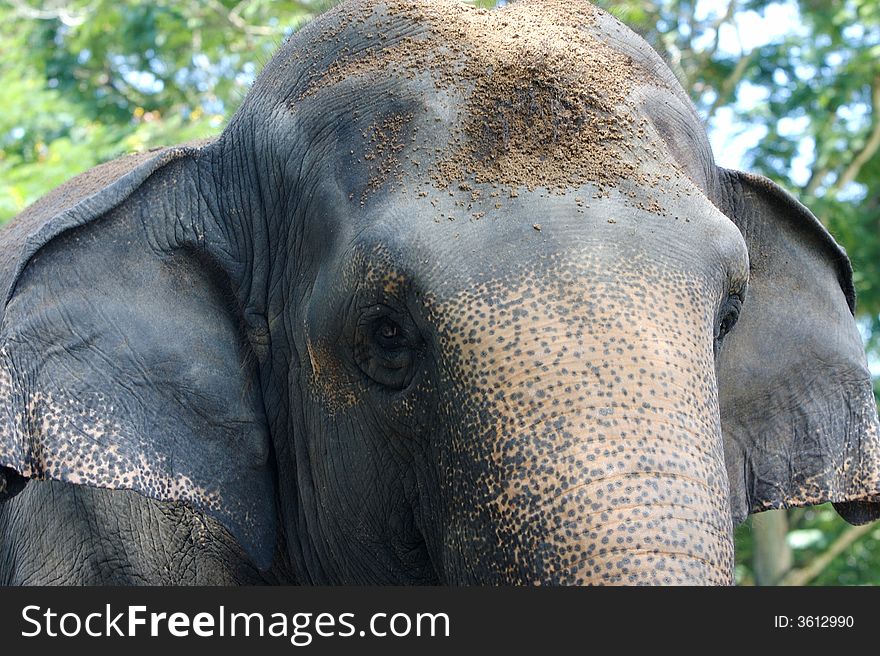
729,140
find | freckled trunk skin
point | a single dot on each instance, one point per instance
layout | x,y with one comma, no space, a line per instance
592,450
613,492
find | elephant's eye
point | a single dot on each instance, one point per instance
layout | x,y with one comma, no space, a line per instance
727,318
388,331
386,347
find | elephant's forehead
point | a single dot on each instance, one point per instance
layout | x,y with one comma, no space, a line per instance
448,241
541,98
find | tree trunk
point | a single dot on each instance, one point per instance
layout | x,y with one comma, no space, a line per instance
772,558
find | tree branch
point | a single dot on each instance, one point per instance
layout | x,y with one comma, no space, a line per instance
728,15
872,145
234,18
816,179
818,565
240,7
729,86
63,14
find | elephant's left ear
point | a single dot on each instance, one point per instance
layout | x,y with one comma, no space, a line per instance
797,406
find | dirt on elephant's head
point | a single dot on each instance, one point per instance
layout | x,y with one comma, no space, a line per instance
547,105
546,99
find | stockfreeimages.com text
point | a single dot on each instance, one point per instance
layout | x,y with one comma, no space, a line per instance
300,628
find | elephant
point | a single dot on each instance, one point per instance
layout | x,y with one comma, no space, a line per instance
458,296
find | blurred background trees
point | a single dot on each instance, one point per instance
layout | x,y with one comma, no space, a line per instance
789,88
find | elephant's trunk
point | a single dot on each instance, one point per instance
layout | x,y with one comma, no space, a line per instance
615,491
604,450
622,508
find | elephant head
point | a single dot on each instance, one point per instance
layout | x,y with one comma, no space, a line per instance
458,296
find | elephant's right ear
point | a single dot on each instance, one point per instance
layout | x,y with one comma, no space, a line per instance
123,360
797,407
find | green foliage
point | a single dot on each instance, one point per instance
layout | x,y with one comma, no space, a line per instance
82,81
811,532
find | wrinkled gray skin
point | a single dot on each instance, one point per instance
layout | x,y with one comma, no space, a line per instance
363,337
